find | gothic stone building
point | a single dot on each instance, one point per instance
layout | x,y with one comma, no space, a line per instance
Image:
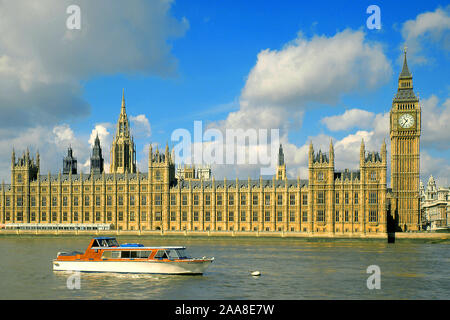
329,201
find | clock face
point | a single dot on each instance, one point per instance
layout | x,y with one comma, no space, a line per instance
406,121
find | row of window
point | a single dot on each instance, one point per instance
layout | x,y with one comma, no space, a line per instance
231,217
373,199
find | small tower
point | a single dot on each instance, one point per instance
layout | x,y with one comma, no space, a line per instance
281,168
69,163
97,160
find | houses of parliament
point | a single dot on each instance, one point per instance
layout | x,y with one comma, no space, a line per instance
353,202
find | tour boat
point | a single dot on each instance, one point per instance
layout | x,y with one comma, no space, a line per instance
104,254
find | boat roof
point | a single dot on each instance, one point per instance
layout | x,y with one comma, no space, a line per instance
140,248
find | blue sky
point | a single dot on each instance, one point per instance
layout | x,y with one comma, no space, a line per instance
213,51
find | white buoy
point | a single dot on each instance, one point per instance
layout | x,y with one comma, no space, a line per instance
256,273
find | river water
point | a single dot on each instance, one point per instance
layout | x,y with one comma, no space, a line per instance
289,270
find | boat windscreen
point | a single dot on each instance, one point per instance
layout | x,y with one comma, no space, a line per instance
182,254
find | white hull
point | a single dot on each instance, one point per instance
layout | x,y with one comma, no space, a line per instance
157,267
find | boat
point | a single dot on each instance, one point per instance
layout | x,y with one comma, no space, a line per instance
104,254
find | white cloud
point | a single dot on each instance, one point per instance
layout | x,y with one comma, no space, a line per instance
435,123
350,119
284,83
140,126
43,64
431,26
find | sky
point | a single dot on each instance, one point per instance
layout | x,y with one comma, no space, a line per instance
315,71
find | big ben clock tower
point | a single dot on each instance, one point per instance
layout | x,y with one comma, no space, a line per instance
405,152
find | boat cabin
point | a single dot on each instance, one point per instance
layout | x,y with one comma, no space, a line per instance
107,248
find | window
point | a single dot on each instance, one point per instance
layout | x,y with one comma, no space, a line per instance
19,201
207,199
64,201
33,201
120,200
292,199
267,216
255,216
372,197
131,200
173,216
33,216
267,199
292,216
7,201
321,197
231,216
320,176
184,200
219,199
321,215
255,199
157,216
337,216
243,200
19,216
219,216
356,198
144,200
132,217
19,178
184,216
43,216
54,216
195,215
305,216
143,216
305,199
86,200
346,215
97,201
195,199
373,216
279,216
109,200
86,216
75,216
207,216
120,215
346,198
242,215
373,175
231,200
109,216
54,201
336,197
280,200
173,200
158,200
43,201
8,216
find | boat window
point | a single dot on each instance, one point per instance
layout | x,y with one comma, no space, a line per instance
95,244
125,254
112,243
172,254
134,254
144,254
161,254
111,254
182,253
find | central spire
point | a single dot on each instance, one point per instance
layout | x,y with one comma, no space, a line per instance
405,74
122,110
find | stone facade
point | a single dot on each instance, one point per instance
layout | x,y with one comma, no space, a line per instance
328,201
434,206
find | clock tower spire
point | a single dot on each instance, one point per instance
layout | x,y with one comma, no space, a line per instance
405,127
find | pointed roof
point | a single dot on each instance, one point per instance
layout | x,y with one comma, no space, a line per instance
405,70
122,110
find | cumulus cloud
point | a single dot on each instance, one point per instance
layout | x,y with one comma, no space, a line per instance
350,119
284,83
140,126
431,26
435,123
42,63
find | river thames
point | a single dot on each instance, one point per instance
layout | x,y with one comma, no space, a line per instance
290,270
